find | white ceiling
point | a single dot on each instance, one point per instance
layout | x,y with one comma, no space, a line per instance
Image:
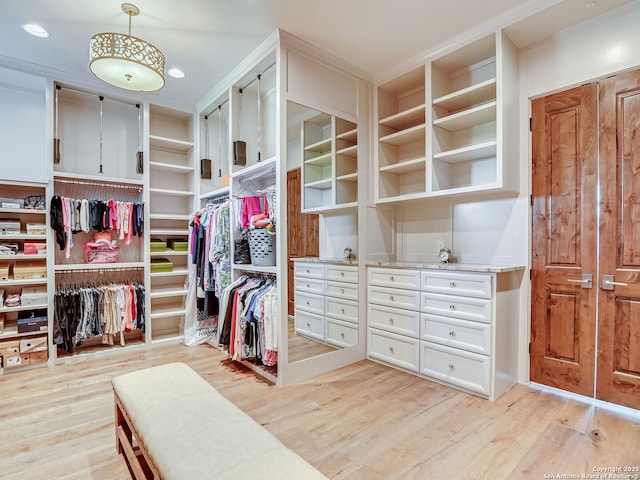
207,38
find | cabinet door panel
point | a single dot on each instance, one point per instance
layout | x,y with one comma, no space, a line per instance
464,369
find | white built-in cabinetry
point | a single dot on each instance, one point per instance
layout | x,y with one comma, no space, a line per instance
447,127
330,163
326,301
453,326
15,252
171,198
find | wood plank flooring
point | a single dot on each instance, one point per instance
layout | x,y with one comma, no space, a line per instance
365,421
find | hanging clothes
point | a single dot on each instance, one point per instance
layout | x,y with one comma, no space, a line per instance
105,311
69,216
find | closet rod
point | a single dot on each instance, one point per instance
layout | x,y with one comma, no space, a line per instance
99,184
100,271
257,76
216,108
134,104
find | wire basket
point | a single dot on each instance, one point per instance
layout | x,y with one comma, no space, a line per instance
107,253
262,247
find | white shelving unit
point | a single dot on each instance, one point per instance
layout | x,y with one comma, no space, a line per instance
465,142
329,163
9,336
470,89
171,193
401,158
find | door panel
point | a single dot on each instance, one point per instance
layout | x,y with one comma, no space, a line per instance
303,238
618,375
565,156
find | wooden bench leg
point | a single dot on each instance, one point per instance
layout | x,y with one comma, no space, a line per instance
121,423
137,459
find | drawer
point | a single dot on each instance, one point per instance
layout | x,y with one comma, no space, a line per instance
394,349
309,285
309,270
341,334
341,273
464,308
470,336
310,302
309,324
395,320
348,291
453,283
345,310
394,278
392,297
458,367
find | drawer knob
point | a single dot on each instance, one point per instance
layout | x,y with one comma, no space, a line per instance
452,333
391,321
342,274
342,290
342,311
308,325
308,302
392,279
308,271
452,307
342,335
391,298
308,286
391,350
451,366
452,284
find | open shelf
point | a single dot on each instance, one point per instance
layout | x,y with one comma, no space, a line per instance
408,166
470,152
405,119
468,118
473,95
409,135
170,167
169,144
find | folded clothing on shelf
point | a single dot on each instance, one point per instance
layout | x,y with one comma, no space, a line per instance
12,300
8,248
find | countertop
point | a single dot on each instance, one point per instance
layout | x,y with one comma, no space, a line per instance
463,267
332,261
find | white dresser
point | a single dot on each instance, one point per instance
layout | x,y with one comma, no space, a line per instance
452,324
326,301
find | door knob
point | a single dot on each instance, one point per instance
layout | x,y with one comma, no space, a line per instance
586,280
609,284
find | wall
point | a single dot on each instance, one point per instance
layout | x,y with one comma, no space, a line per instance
596,48
23,127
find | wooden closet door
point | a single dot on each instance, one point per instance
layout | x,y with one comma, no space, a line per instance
303,231
618,375
565,169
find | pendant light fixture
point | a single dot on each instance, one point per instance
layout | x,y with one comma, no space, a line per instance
126,61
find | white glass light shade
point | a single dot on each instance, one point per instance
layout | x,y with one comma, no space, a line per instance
126,62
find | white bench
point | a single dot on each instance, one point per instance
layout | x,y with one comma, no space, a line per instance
173,425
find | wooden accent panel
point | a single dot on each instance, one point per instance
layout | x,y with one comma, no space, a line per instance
564,240
564,203
629,108
618,376
627,337
303,236
562,322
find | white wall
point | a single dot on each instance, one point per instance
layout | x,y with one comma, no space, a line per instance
579,54
23,127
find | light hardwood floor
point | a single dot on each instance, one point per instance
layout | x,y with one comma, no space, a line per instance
365,421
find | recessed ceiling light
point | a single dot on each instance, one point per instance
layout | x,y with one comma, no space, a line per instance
35,30
591,4
176,73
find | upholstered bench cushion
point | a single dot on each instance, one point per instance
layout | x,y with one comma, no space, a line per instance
192,432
